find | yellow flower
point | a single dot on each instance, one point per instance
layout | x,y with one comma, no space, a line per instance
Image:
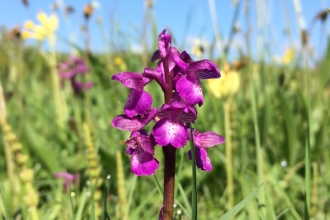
118,61
120,64
288,56
46,29
226,85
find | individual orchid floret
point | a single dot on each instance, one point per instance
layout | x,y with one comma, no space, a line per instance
138,101
124,122
201,142
166,50
189,86
70,69
141,147
68,179
170,128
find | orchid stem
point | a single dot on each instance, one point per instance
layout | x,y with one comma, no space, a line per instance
169,156
169,181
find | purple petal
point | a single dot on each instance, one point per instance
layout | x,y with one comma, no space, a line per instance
186,57
203,162
130,150
81,69
67,75
156,75
65,175
207,139
131,143
190,89
164,43
161,213
169,132
138,102
143,163
177,60
155,56
203,69
64,66
130,80
77,86
147,143
189,114
123,122
74,59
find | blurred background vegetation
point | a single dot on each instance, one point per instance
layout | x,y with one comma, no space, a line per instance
273,112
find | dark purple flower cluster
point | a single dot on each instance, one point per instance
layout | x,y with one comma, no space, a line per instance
172,127
70,69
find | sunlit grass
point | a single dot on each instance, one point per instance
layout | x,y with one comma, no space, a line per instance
268,119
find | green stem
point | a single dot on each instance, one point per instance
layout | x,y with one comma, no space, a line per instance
56,85
194,184
260,174
308,153
229,157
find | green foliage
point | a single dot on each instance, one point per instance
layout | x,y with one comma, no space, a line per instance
275,105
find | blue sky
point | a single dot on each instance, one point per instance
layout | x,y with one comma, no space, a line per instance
126,17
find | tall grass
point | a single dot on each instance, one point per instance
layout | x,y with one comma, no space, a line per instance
279,129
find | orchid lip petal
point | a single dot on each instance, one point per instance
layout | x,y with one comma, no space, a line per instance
143,163
171,132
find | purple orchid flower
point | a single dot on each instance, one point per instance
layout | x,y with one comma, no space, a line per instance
138,101
173,118
141,147
70,69
67,177
201,142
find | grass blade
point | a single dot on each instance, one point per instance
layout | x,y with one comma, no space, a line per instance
193,167
4,204
308,153
240,205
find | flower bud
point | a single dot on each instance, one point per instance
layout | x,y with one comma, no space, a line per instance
21,159
16,147
26,175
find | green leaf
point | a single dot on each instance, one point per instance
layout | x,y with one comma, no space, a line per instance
239,206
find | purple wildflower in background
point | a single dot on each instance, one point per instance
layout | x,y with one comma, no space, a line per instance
68,179
70,69
173,118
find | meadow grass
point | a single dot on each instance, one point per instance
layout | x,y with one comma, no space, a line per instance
277,122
